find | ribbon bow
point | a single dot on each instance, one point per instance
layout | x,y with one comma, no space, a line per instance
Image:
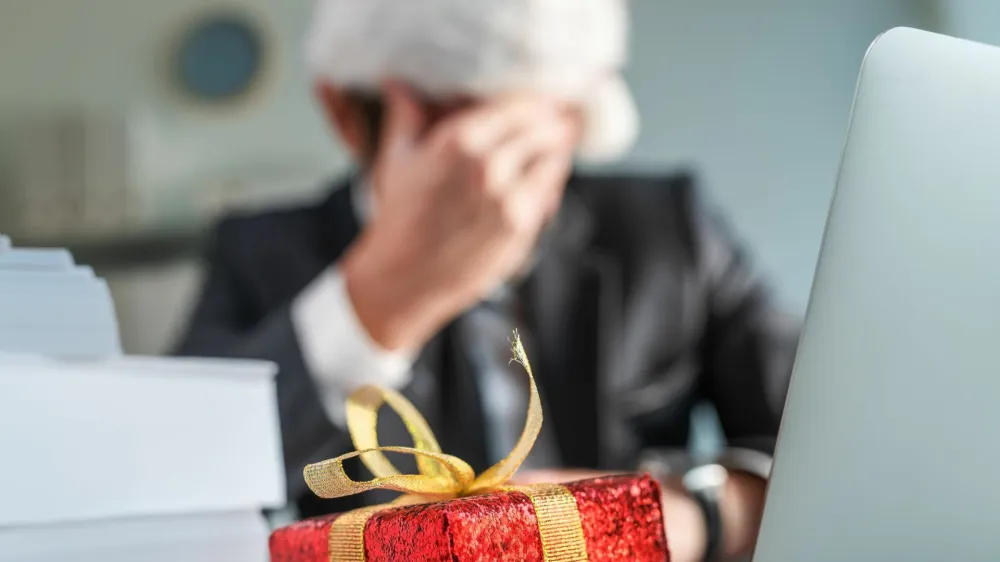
441,476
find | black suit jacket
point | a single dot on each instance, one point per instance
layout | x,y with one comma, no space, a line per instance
641,306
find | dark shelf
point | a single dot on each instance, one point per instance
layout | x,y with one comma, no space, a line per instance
125,250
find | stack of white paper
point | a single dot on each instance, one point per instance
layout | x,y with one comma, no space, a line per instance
136,436
214,537
112,458
137,459
51,306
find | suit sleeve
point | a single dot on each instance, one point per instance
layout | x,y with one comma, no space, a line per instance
224,323
749,344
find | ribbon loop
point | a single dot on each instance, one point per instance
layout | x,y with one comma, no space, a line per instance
328,479
440,476
503,471
362,423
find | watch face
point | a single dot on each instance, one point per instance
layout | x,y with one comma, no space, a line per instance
220,58
708,477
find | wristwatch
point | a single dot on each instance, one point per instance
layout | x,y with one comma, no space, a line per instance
706,481
705,484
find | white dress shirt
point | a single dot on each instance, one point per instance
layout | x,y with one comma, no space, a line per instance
337,349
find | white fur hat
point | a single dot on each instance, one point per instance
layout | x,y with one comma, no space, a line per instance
570,48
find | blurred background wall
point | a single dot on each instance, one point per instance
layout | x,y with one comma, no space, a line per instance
753,96
976,20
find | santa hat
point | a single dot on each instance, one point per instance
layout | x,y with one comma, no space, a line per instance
571,48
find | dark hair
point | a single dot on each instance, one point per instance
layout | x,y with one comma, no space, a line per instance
372,110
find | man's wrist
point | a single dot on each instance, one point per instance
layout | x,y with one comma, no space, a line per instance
742,510
337,350
707,485
739,498
388,301
684,521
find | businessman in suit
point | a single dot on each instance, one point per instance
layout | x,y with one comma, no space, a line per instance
465,221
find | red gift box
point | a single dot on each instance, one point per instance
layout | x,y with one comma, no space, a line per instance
450,514
620,515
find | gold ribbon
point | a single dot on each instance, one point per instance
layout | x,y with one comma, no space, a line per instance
441,476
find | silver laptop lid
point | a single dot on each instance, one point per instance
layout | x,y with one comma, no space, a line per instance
890,444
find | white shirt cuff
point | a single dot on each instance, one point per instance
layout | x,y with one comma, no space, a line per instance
336,347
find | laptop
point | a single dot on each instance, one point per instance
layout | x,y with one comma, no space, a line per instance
889,448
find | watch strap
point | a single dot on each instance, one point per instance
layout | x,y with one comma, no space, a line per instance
705,484
709,504
747,461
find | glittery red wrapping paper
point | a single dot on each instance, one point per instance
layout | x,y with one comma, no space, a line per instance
621,516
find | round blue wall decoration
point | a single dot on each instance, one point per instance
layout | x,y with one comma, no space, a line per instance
221,58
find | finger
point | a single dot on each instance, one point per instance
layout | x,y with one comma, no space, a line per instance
480,129
517,154
404,120
495,123
528,206
515,157
545,181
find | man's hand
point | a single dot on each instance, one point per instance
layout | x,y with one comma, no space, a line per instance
683,519
741,506
459,209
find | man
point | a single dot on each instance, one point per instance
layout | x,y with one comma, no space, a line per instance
464,222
